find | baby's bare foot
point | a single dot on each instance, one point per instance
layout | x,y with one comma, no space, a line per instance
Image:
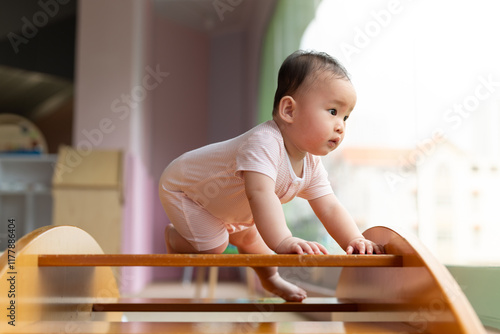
286,290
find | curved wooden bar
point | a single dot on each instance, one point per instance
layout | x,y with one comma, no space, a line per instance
435,302
45,294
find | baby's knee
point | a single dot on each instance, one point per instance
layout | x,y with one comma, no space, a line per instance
246,237
217,250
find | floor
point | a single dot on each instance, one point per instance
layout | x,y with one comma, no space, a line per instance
224,290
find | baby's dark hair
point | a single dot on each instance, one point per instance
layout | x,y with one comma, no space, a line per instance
298,66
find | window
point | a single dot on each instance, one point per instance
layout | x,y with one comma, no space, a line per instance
422,147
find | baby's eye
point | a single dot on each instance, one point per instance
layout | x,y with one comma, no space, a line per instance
345,118
333,111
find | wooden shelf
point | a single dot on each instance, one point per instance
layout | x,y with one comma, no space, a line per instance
26,191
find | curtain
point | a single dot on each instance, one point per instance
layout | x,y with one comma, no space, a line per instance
289,21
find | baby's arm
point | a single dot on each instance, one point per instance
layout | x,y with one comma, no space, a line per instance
270,220
340,225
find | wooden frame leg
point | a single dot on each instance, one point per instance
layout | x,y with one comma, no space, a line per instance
212,281
200,278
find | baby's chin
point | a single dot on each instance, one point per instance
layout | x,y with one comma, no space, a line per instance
323,152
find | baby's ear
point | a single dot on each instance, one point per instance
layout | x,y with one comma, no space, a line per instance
287,108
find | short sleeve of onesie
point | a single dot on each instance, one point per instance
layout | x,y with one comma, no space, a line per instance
319,185
260,153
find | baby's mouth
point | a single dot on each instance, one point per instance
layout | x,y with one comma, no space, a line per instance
334,142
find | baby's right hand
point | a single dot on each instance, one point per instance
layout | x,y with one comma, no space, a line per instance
292,245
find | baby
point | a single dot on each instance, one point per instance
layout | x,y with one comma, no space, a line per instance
232,191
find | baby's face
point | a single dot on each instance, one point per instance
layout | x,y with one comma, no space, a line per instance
322,110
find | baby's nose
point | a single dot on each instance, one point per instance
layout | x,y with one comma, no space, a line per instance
339,127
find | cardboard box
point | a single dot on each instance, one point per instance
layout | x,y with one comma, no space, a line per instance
87,192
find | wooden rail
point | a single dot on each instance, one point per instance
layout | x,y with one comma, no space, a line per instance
218,260
234,305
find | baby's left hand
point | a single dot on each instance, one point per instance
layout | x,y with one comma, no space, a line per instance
364,246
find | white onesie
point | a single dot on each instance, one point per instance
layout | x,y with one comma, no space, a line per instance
203,192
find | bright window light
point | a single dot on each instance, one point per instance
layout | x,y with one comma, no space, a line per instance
422,149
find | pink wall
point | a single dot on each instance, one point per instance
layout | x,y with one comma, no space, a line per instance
209,95
112,60
103,69
181,107
181,104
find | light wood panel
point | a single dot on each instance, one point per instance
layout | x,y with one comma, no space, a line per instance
439,305
97,169
87,191
97,212
71,290
228,328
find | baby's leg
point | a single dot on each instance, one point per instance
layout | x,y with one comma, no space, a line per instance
249,241
176,244
193,229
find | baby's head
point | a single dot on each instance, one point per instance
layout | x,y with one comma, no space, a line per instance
301,69
313,101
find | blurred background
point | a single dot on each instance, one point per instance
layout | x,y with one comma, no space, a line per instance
98,96
422,151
